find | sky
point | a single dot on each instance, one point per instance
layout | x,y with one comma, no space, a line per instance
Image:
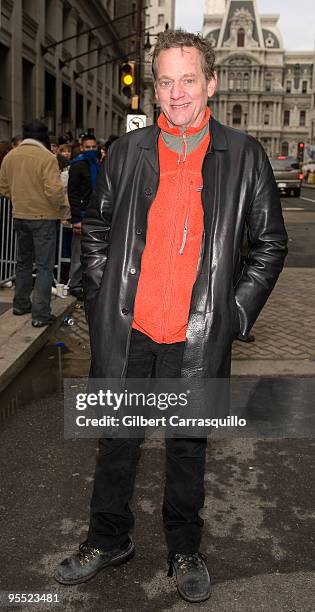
296,23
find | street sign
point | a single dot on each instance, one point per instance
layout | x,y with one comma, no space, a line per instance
134,122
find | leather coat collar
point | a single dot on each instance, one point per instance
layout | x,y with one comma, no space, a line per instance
218,140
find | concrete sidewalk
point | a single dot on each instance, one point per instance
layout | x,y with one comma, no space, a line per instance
19,341
284,331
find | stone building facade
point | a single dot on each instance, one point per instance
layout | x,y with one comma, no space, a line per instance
159,15
41,78
262,89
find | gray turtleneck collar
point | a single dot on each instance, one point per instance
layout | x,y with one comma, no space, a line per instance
183,144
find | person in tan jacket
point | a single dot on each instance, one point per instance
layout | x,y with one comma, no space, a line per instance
30,177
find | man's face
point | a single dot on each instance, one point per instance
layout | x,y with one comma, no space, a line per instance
89,145
181,87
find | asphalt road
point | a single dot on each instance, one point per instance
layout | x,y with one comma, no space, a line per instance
258,536
299,215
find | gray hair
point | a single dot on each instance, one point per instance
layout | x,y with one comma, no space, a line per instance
179,38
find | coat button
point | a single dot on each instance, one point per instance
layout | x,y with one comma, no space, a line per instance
138,231
133,270
148,191
125,311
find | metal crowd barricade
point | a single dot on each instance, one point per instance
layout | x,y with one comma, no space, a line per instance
60,258
8,243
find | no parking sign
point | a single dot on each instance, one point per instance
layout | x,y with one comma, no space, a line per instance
134,122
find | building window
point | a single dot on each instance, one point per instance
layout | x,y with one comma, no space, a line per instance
302,117
285,149
286,117
161,2
30,8
66,103
241,37
289,86
147,20
28,90
246,81
268,81
49,16
160,19
66,23
304,86
78,111
237,114
266,119
50,101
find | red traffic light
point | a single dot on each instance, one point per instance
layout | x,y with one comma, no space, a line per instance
301,145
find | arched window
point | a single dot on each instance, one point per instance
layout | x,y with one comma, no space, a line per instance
237,114
241,37
231,80
285,149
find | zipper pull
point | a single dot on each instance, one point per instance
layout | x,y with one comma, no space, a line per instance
181,250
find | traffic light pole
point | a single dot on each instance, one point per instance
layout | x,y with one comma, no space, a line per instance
109,61
139,48
63,63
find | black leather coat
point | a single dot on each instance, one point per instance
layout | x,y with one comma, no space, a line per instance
238,192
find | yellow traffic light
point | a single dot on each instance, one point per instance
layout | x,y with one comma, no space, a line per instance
127,78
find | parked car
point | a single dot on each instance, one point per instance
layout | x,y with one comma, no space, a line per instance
288,174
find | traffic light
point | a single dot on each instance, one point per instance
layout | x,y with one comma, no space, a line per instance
300,151
127,78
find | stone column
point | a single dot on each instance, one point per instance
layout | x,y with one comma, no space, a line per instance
73,48
58,54
16,68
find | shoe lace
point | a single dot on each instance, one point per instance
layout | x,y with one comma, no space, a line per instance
87,553
186,563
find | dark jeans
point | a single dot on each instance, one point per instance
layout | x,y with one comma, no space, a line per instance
111,517
36,240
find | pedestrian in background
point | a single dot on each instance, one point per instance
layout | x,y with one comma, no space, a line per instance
4,149
83,171
30,177
64,153
108,142
53,142
16,140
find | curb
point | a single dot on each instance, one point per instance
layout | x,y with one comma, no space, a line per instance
272,367
20,341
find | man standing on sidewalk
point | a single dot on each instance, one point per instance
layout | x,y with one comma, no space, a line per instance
166,289
30,177
83,171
